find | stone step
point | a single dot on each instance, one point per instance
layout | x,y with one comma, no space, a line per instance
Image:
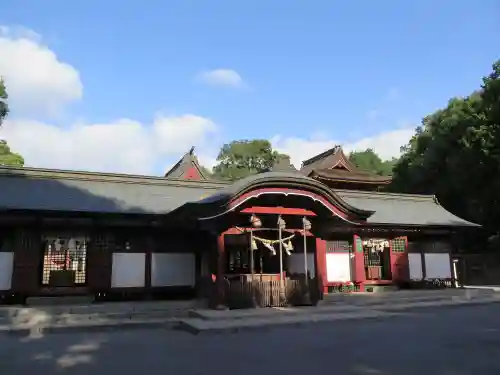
198,325
204,326
240,314
59,300
108,307
371,302
406,294
89,326
63,318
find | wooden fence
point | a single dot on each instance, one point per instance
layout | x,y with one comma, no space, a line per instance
268,294
478,269
241,294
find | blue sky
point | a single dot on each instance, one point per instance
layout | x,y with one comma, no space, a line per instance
311,70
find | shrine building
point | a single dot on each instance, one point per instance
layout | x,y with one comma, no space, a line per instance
328,223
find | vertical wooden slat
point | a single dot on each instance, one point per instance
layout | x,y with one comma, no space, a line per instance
100,261
28,255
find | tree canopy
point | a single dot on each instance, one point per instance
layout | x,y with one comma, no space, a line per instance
369,160
7,157
4,108
243,158
455,154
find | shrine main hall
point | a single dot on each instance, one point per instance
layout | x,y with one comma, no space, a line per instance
327,224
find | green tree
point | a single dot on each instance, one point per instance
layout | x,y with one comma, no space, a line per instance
243,158
7,157
4,108
455,154
369,160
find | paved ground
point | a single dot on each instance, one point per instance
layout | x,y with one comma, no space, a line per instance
452,341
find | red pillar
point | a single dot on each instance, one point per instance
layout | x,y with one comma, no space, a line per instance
321,265
219,282
359,263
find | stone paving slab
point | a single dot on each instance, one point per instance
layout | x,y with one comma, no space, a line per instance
202,326
320,314
207,314
88,326
229,320
106,307
452,302
34,317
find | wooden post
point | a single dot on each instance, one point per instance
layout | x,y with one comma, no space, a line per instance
219,281
359,263
321,266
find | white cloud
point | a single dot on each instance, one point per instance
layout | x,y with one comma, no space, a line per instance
124,145
40,83
221,77
37,81
386,145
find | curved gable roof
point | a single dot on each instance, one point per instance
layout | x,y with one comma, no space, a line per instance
220,201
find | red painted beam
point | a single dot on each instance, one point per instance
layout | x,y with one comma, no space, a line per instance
278,211
234,230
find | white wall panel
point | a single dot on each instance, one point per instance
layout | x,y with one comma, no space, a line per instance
172,269
437,266
415,264
129,270
338,267
6,269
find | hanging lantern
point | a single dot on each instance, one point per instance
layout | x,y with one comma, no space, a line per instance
255,221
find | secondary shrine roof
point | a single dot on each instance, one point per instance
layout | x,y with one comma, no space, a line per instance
333,165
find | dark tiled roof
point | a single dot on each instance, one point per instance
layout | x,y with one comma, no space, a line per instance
327,160
354,176
55,190
403,209
33,189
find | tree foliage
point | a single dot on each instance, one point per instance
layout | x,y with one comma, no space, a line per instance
243,158
4,108
7,157
455,154
369,160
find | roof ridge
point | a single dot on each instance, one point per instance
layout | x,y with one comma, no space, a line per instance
388,195
188,159
62,174
321,155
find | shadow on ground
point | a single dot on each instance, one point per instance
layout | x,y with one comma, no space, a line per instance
462,341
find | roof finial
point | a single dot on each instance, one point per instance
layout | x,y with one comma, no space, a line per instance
191,150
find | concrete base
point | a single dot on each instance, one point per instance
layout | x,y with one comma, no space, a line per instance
380,288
